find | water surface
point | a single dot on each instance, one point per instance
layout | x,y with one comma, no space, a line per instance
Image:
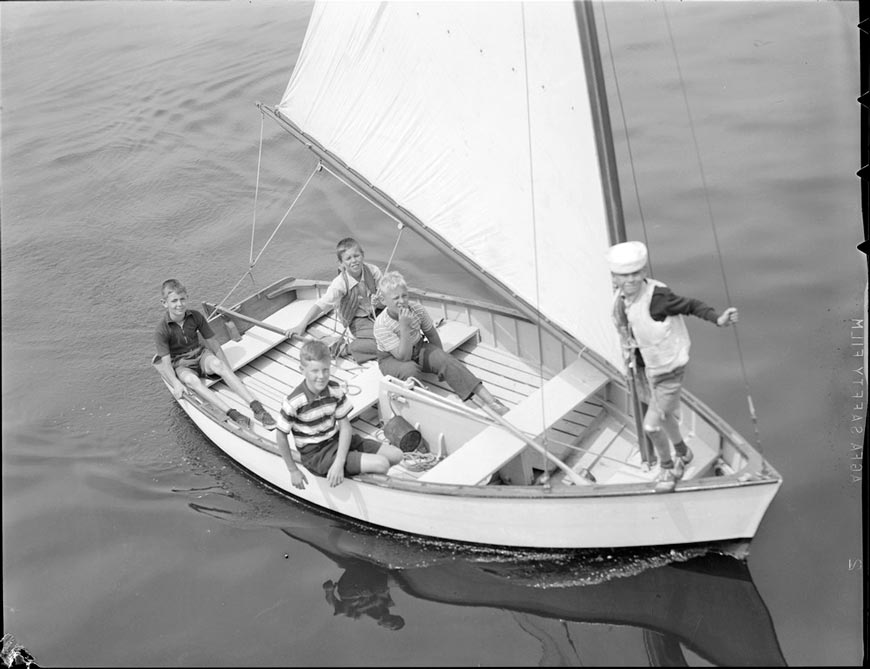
130,154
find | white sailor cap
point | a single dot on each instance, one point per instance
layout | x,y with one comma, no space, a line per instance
627,257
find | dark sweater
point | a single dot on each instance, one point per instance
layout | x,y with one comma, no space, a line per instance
664,302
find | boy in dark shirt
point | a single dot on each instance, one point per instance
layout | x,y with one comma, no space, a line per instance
184,361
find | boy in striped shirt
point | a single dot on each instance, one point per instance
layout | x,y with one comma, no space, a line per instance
317,416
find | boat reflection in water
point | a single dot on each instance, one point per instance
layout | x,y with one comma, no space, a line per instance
659,603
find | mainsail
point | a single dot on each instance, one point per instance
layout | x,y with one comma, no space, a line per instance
475,117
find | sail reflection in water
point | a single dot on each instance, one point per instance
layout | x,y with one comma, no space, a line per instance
667,602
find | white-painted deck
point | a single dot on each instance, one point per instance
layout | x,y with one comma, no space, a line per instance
481,456
269,364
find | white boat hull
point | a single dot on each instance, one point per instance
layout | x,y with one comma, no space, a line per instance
691,515
621,510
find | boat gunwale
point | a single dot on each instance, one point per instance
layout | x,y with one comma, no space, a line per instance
755,463
755,460
501,491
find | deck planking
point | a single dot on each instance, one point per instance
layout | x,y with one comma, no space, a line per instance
275,374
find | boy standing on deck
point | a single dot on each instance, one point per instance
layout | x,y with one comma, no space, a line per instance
317,415
650,318
184,361
352,293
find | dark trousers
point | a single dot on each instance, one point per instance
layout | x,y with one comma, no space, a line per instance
428,358
363,346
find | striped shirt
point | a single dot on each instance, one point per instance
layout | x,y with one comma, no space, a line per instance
311,417
386,327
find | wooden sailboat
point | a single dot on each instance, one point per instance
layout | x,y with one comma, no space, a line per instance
483,128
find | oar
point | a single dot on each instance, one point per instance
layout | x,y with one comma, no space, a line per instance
514,430
254,321
630,359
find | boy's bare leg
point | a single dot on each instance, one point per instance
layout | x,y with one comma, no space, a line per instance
662,445
672,428
195,384
214,365
372,463
380,462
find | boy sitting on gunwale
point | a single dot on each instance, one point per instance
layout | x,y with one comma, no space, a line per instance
184,361
316,415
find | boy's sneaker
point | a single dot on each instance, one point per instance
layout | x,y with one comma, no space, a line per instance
498,407
264,418
667,479
686,457
239,418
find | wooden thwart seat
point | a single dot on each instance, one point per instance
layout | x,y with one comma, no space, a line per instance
492,448
363,386
257,340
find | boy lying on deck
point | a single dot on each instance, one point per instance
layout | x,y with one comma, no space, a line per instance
316,414
184,361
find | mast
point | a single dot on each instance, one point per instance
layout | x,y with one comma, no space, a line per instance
601,117
610,184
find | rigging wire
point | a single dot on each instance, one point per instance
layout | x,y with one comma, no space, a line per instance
712,223
625,129
399,224
317,168
534,224
254,261
257,187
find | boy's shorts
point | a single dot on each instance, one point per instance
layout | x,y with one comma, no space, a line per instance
320,457
665,390
192,360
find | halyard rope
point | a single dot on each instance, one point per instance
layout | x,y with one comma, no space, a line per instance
627,137
534,223
253,262
257,188
712,224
